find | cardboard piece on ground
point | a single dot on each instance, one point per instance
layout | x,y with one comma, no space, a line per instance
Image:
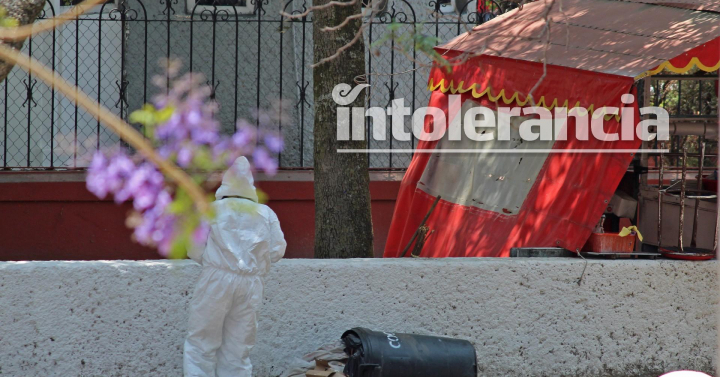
321,364
320,373
322,369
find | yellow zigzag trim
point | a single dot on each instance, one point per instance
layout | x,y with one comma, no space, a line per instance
515,98
694,62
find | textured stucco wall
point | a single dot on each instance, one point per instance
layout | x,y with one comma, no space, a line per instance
526,317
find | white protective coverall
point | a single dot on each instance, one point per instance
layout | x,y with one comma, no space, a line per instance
244,239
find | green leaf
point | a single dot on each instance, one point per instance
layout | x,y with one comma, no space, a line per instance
9,22
179,247
149,116
164,114
262,196
144,116
181,204
6,21
203,160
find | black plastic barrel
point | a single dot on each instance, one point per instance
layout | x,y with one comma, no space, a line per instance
386,354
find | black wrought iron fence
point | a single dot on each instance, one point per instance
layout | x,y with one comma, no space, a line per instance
252,58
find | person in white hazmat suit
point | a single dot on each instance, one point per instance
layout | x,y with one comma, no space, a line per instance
244,239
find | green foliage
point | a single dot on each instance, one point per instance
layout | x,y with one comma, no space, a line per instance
182,203
7,21
406,42
150,117
687,98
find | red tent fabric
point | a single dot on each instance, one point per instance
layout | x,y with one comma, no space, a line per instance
702,5
561,202
705,57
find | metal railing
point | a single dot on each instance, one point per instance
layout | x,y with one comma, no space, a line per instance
691,100
252,58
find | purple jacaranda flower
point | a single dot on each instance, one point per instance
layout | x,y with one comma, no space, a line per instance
194,117
220,148
263,161
184,156
163,200
204,136
165,151
163,229
164,232
144,198
133,183
244,135
164,247
172,128
274,143
121,165
143,231
98,163
147,194
143,185
191,130
96,181
199,236
118,170
157,226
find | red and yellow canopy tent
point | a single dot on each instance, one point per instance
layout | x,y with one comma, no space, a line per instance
592,55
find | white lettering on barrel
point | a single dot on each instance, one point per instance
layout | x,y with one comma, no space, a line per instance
392,340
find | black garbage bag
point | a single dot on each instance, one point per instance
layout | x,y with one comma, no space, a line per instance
385,354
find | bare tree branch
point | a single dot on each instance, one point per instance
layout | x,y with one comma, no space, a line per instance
317,7
345,22
339,51
546,32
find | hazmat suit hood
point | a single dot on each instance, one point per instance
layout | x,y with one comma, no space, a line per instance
238,181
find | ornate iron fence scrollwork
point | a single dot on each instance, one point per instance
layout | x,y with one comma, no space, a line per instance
249,54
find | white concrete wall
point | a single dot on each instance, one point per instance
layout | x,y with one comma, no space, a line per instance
526,317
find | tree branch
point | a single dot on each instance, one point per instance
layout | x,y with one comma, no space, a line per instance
112,121
317,7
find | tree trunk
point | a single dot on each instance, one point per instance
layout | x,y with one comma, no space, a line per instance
343,222
25,11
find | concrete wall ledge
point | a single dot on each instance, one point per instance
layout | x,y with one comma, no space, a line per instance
526,317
